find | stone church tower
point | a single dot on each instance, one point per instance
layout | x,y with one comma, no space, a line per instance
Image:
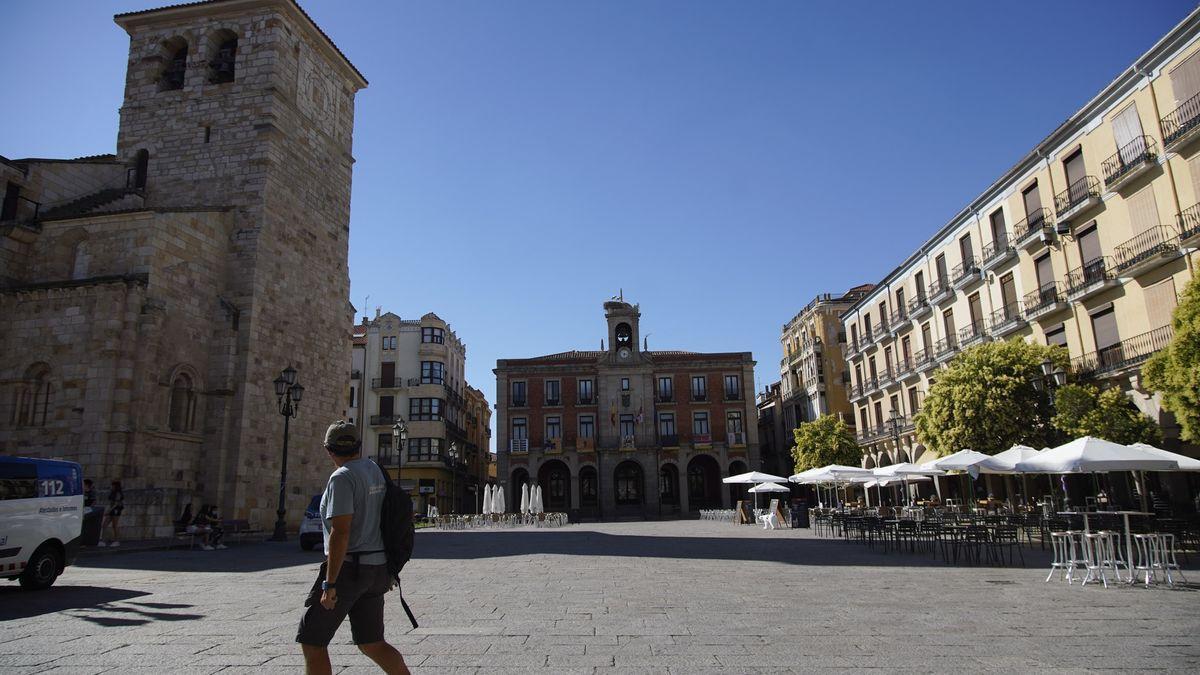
204,257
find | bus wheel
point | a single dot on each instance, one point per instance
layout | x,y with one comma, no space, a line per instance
43,568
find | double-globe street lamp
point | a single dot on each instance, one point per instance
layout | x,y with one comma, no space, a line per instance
288,393
399,436
1046,382
452,455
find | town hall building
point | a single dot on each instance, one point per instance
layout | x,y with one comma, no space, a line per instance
625,432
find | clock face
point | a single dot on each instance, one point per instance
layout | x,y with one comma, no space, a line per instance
623,353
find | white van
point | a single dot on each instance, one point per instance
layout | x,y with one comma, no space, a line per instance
41,518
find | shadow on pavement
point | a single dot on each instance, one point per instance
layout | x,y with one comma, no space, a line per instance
16,603
239,558
791,550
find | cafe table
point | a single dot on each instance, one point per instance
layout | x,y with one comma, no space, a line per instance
1128,534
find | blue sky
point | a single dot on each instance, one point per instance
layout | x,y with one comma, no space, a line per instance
722,162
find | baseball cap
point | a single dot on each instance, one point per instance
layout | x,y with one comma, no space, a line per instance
342,438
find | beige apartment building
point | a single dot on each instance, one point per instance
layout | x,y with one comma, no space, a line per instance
813,377
411,371
1086,243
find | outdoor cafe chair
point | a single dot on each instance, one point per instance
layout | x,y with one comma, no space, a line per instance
906,531
1006,537
1065,560
1096,547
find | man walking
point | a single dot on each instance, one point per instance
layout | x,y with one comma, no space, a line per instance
354,577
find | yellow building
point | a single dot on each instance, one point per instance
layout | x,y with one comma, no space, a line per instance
1085,243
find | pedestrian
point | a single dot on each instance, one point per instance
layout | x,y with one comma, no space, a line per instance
354,577
116,506
210,520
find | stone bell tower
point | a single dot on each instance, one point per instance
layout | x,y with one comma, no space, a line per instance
623,330
247,107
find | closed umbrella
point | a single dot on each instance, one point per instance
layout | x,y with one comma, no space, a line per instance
537,499
487,499
498,500
524,498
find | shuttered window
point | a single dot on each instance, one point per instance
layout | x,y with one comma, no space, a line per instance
1074,168
1057,336
1194,170
940,263
1008,292
926,337
1089,246
1143,210
1104,329
999,234
1033,199
975,308
1160,303
1045,271
1185,79
965,248
1127,126
948,323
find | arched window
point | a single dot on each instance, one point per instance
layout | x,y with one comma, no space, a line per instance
31,398
175,52
81,260
628,480
183,404
223,48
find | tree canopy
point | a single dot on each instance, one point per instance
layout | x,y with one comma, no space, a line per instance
824,441
985,399
1084,410
1175,371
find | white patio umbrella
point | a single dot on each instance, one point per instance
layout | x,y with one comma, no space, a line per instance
1091,455
1006,463
524,498
1185,464
537,499
770,487
754,477
817,477
963,460
903,472
487,498
498,500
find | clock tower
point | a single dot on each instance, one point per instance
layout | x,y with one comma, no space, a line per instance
622,330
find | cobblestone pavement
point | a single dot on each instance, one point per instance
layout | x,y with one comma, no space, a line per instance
690,597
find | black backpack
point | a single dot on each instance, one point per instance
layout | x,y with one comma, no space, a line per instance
397,529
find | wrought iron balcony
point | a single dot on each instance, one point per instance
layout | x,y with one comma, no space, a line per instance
393,382
967,273
1179,126
1188,224
904,366
733,395
886,376
998,252
919,306
664,397
1147,251
1050,298
1130,160
587,400
518,402
940,291
384,420
898,321
1037,228
945,348
1124,355
556,401
1091,278
922,360
1006,320
1077,198
856,391
668,440
853,348
972,333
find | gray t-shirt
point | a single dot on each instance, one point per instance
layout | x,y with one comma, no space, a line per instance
356,487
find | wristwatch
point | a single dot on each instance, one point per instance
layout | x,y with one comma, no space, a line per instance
327,585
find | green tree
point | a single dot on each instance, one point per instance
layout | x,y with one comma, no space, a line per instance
1084,410
1175,371
985,399
824,441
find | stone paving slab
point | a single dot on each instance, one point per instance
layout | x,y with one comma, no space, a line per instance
659,597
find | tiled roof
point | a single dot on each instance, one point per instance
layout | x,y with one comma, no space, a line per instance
213,2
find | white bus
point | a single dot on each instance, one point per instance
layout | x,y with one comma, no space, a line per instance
41,518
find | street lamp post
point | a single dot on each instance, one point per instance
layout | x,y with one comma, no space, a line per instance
894,424
1046,382
399,435
452,454
288,392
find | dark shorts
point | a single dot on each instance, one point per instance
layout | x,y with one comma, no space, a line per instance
360,590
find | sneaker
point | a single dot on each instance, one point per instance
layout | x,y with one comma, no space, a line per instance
206,547
114,543
222,546
101,543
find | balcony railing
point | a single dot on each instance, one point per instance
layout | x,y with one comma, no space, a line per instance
733,395
939,290
1125,354
971,333
903,366
1136,154
918,305
1035,224
856,391
586,400
1188,222
518,402
945,347
1089,277
1077,194
1180,122
393,382
966,272
1045,299
853,347
668,440
664,397
554,401
518,445
1006,319
996,251
1142,252
898,320
870,384
922,359
699,396
384,420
